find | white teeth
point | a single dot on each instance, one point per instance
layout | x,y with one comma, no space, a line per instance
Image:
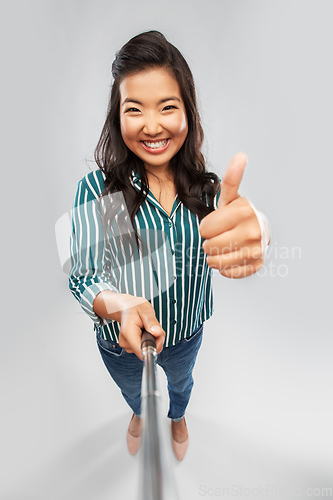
155,145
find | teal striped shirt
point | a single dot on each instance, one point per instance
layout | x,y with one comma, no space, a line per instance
170,269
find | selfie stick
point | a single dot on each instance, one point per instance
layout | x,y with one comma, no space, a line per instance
156,482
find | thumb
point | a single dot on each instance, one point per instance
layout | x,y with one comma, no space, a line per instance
232,179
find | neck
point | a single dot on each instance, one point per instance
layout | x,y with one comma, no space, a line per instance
162,174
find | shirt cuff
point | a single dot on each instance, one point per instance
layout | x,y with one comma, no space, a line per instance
88,297
265,229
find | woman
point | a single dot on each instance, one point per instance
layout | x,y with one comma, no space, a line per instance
139,222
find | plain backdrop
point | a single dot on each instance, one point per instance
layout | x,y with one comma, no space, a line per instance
261,411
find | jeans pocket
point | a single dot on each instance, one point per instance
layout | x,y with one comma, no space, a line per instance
196,333
109,347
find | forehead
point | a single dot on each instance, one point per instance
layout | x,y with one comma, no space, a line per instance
155,83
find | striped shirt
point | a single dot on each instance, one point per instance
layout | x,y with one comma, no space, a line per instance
169,269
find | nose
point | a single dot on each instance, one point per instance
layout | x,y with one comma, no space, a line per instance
152,125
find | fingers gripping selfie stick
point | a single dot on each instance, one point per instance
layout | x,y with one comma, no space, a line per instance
155,479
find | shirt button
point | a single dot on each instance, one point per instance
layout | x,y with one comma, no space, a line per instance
170,223
173,278
174,301
174,321
173,251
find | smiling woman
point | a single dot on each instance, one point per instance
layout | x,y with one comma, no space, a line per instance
153,98
150,150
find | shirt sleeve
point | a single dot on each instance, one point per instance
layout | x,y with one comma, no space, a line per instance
265,229
89,274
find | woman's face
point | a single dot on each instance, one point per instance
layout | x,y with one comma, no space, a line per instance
153,119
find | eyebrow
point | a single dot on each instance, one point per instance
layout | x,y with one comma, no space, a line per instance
173,98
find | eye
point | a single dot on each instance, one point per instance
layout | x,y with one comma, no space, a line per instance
131,110
167,108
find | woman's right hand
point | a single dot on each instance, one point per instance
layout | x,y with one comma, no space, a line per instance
133,320
133,314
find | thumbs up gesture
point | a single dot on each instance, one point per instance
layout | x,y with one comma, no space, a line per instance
232,232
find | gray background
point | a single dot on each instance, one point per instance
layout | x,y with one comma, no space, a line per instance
261,409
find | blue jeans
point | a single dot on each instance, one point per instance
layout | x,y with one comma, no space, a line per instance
177,362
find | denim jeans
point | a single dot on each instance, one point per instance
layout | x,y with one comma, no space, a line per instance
177,362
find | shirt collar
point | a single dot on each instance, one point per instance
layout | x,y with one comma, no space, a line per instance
136,182
135,175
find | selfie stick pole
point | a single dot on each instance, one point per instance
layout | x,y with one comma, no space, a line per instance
155,480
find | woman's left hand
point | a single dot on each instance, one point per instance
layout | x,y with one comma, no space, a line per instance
232,232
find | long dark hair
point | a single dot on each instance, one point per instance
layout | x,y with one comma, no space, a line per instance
195,186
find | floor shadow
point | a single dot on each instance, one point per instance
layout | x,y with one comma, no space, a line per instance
220,462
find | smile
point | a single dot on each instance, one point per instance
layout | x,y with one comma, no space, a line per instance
155,146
